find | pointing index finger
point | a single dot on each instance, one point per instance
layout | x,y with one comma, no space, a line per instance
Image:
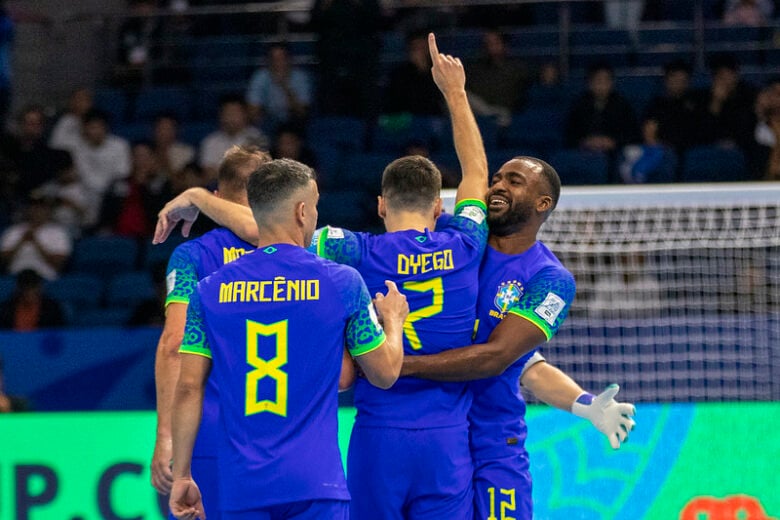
434,50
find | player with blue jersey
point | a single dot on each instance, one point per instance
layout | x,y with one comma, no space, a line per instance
275,324
409,455
189,263
525,294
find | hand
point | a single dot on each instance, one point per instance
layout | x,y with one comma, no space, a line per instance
393,305
448,73
185,501
611,418
162,476
178,209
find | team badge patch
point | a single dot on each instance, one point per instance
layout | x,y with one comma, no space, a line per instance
170,281
334,232
473,213
550,308
508,294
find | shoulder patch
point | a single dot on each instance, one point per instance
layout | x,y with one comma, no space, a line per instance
170,281
550,308
334,232
473,213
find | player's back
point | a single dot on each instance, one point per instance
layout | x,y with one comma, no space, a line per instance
275,321
535,286
191,262
438,273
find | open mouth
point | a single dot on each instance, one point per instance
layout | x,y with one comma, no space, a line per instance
497,201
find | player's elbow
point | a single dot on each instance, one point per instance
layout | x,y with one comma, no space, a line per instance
170,342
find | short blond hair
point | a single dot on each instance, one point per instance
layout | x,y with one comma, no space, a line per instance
236,166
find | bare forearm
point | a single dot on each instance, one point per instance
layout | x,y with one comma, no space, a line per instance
461,364
187,410
467,139
166,373
773,165
551,385
233,216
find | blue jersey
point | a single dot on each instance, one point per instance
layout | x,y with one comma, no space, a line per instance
191,262
438,272
275,324
535,286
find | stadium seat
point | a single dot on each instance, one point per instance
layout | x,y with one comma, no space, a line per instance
155,254
104,256
134,131
110,317
208,96
112,101
537,128
577,167
7,286
638,90
78,290
350,209
129,289
153,101
392,134
193,132
714,164
363,171
347,133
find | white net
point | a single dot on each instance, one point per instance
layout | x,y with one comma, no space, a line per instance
678,290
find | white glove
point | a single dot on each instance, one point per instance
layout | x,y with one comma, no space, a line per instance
611,418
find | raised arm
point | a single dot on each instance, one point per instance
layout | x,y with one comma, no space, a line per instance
185,207
450,77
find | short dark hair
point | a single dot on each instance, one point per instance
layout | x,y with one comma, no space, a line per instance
599,66
549,175
678,65
723,60
32,108
274,182
95,115
230,99
411,183
231,177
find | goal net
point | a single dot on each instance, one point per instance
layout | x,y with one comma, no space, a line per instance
678,290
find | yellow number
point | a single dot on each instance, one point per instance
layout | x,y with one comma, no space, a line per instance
505,506
437,287
266,368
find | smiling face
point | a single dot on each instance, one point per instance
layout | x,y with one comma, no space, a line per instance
517,196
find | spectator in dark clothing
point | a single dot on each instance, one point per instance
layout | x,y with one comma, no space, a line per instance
347,47
725,112
673,110
137,38
410,88
131,205
290,144
27,149
28,308
601,119
765,153
6,44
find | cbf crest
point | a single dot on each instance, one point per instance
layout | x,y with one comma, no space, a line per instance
507,295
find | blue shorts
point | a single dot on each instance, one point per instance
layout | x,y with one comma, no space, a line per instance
502,488
305,510
204,473
397,474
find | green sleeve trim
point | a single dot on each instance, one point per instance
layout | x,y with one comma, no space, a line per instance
378,342
471,202
176,299
323,236
195,350
533,318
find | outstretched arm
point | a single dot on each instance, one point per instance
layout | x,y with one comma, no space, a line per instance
185,207
552,386
450,77
511,339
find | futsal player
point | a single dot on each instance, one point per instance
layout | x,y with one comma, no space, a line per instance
189,263
409,452
525,295
275,324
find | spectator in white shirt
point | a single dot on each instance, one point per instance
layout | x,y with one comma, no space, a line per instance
36,243
101,158
66,194
67,130
234,129
173,154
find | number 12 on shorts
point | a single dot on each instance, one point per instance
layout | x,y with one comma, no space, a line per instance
507,503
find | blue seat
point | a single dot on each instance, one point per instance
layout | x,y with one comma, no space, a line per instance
134,131
7,286
714,164
193,132
394,133
347,133
638,90
153,101
112,101
104,256
363,171
129,289
578,167
537,128
207,98
350,209
110,317
155,254
78,290
590,36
